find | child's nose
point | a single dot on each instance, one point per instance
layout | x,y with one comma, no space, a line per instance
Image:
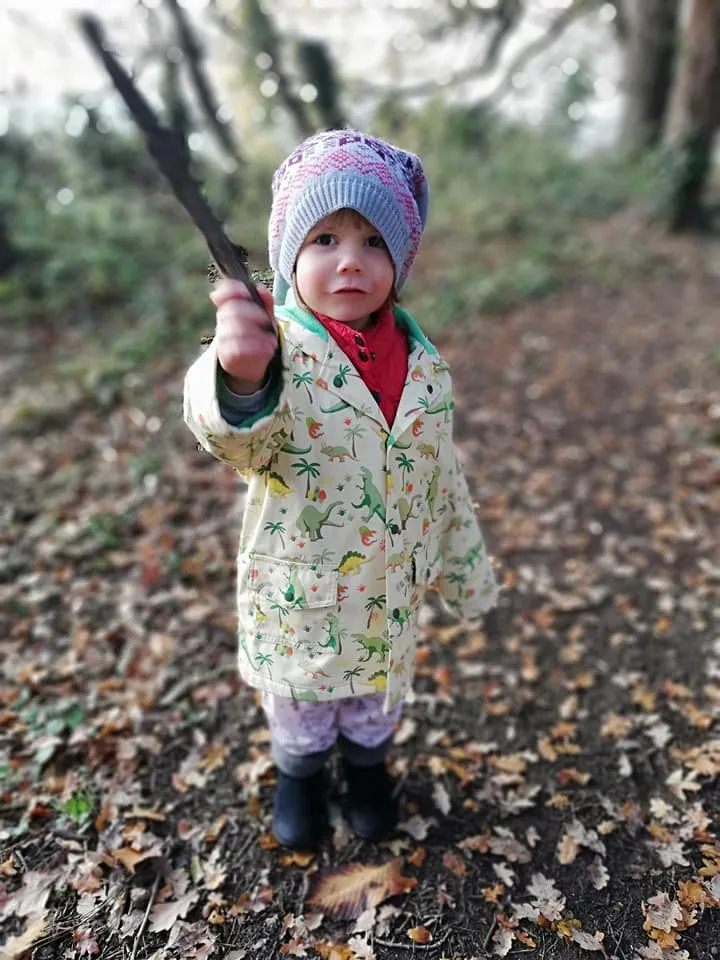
350,258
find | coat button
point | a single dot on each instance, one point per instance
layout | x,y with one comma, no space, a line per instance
363,356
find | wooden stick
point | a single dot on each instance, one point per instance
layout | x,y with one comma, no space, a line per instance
169,152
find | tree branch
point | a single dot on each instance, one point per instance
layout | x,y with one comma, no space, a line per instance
270,45
556,29
205,94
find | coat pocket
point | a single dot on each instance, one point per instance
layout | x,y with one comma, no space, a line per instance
289,601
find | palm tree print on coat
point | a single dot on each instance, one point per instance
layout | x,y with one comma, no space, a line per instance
303,380
276,527
372,604
353,432
309,470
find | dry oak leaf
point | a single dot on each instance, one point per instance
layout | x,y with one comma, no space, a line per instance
572,775
494,893
693,894
130,858
8,868
333,951
588,941
17,947
417,859
662,913
567,849
599,875
502,941
419,934
548,900
86,944
297,859
345,892
164,916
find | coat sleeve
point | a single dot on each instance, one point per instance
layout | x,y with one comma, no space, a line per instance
464,576
251,445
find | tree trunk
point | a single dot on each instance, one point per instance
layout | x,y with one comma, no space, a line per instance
207,101
262,37
695,116
9,255
318,69
649,66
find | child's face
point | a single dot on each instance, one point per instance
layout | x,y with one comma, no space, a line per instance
344,270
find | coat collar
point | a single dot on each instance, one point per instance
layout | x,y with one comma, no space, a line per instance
425,385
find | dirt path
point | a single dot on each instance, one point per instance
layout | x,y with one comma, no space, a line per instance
560,776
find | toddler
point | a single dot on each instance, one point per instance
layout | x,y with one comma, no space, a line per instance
338,411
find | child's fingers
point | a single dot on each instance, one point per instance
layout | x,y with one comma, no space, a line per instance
233,297
225,290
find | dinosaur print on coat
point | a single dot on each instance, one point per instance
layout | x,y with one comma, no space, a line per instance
311,520
371,498
348,519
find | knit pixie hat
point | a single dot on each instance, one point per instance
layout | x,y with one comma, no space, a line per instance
344,168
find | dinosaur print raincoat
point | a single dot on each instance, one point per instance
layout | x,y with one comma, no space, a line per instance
348,519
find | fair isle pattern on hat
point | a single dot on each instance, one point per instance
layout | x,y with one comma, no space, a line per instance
344,168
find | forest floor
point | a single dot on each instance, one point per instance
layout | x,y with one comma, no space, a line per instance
560,779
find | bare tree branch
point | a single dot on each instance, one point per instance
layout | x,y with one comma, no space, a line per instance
556,28
290,101
171,159
622,20
203,88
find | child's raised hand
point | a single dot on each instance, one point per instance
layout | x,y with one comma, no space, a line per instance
246,335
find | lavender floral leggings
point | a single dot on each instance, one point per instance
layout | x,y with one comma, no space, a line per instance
303,734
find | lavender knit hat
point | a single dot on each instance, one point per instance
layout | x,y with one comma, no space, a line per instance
344,168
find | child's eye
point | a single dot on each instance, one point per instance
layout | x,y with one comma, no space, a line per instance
324,239
376,241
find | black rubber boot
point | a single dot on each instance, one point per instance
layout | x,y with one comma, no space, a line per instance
300,816
370,807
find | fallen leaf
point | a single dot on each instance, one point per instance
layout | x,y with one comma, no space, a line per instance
333,951
297,859
130,858
347,891
547,898
268,842
662,913
420,934
599,876
416,826
294,948
86,944
406,731
17,947
32,897
417,859
567,849
502,941
494,893
441,798
505,873
572,775
588,941
361,948
164,916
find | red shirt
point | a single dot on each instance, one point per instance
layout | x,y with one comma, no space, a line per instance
379,353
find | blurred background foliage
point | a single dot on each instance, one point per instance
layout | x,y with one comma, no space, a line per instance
91,237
